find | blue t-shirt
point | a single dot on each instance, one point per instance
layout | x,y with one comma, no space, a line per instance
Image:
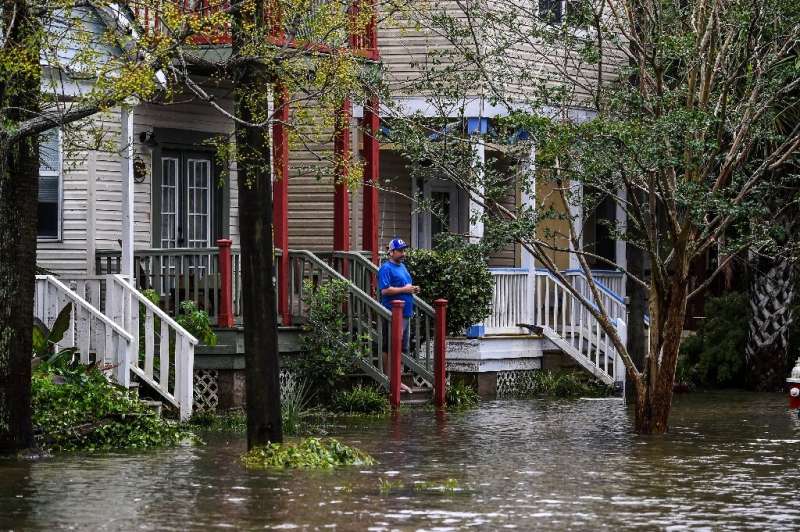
395,275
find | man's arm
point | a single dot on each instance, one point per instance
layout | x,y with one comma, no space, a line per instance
395,290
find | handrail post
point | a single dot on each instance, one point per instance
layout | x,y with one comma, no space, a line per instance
440,353
395,364
225,314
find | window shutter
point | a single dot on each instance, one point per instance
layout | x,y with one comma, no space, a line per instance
49,166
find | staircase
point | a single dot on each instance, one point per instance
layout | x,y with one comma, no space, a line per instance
539,301
106,329
366,316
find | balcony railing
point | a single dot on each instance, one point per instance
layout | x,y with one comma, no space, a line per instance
181,274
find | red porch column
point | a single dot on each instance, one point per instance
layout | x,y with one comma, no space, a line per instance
395,364
341,196
280,197
371,176
440,354
225,312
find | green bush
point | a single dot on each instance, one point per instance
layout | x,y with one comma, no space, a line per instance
361,400
460,396
310,453
329,349
456,271
566,384
197,322
714,356
90,414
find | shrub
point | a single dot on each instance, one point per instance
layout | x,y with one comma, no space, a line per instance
311,453
457,272
295,399
92,414
460,396
714,356
361,400
197,322
329,349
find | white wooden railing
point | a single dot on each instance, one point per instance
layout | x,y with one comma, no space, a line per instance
166,360
511,301
97,338
573,328
539,299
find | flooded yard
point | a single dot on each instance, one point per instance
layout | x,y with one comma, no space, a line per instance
731,460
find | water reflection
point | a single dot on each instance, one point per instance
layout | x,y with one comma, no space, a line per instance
730,461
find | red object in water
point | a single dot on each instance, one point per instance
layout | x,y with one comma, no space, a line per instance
395,363
225,314
794,394
440,353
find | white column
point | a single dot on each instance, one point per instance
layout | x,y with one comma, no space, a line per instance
126,174
528,199
621,220
575,199
91,214
475,201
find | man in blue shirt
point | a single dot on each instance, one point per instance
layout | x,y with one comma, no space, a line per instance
394,282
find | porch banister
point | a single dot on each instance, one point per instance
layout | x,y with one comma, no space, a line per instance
395,363
440,353
225,314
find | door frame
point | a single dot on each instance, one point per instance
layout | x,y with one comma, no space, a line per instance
421,223
187,143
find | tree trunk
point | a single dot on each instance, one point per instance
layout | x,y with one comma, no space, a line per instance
771,297
19,171
253,160
654,396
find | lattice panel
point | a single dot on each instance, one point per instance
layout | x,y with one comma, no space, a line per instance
515,383
420,382
206,389
288,382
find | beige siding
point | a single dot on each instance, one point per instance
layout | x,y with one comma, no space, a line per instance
394,203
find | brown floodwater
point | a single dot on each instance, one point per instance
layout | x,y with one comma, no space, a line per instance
730,461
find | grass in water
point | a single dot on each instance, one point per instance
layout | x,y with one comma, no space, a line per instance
309,453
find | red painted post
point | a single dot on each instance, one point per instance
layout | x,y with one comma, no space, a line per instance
440,353
225,313
395,357
372,126
280,195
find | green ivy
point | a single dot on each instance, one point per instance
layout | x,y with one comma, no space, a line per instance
455,271
310,453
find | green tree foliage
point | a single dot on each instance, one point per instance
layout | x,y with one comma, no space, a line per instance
715,356
457,272
669,110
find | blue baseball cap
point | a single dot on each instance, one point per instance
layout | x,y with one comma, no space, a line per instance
397,243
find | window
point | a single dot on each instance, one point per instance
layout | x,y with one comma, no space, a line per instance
49,208
561,11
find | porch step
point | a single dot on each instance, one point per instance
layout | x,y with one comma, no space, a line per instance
418,396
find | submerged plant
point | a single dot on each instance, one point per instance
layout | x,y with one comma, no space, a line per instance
361,400
566,384
460,396
295,399
309,453
93,414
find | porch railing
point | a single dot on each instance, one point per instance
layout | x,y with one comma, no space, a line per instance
180,274
357,269
115,325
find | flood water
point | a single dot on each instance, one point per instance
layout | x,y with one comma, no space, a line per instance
730,462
